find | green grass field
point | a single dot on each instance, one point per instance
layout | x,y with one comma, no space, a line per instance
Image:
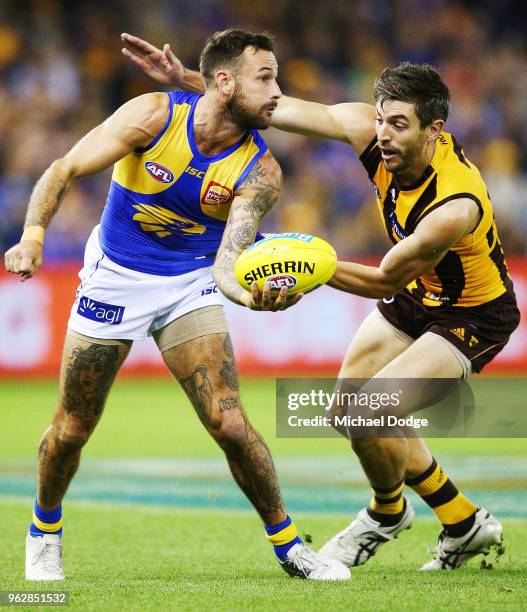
153,521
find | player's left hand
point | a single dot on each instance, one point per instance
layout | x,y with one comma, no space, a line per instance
265,301
161,65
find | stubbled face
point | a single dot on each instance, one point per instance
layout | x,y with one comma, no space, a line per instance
256,91
401,138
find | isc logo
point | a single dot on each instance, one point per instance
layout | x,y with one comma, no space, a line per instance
159,172
193,172
209,290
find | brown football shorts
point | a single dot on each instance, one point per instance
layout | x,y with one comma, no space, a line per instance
479,332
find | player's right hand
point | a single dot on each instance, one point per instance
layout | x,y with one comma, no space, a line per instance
265,301
25,258
160,65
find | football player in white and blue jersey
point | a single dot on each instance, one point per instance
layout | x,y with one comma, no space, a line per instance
192,179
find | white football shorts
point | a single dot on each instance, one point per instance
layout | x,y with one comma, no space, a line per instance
116,303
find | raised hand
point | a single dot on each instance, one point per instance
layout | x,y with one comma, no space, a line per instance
160,65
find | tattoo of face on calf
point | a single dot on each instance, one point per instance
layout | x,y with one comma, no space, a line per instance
88,380
228,371
199,389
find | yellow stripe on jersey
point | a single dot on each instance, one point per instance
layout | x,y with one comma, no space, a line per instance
473,271
215,196
172,147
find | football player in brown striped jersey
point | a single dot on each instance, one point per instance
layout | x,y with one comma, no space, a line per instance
446,301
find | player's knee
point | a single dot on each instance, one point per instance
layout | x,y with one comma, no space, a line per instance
226,416
366,446
69,438
232,434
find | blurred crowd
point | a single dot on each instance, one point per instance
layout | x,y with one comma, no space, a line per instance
61,73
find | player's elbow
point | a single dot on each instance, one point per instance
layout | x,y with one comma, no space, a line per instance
387,285
385,291
62,169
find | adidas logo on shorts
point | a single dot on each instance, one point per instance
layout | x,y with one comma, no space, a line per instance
459,332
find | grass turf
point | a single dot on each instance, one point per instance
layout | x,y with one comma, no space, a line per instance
153,418
136,557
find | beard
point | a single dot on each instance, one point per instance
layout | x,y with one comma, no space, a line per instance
242,115
408,157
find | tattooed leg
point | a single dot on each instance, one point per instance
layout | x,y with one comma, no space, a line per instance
88,370
228,372
206,369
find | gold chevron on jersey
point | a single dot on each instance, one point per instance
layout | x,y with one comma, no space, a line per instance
163,222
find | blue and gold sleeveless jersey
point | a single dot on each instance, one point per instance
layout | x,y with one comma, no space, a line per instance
168,204
473,271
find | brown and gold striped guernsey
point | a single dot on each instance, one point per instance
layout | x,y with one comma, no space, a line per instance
473,271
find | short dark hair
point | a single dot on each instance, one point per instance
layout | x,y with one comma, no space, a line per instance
223,50
419,84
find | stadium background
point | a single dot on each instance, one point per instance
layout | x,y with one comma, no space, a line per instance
61,73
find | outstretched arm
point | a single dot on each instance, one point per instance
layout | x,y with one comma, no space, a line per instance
161,65
255,198
133,125
353,123
413,256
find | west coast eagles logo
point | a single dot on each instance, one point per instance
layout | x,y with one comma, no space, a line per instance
164,222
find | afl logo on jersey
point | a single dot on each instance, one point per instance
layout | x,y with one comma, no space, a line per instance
159,172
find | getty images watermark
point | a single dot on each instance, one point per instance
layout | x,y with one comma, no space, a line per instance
350,401
401,407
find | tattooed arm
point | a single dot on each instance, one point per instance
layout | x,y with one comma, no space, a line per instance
133,125
255,197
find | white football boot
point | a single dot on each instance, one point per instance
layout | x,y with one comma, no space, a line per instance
303,562
360,540
451,553
44,557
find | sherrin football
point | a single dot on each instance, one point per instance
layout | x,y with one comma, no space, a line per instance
299,262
